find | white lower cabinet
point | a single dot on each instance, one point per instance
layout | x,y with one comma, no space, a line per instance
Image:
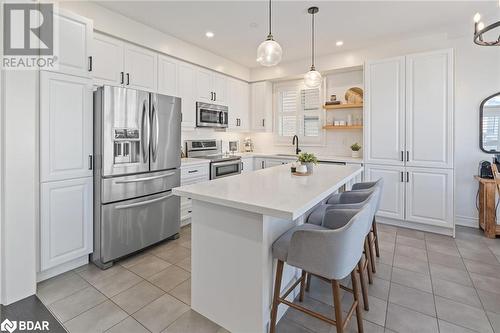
259,163
247,164
420,195
192,174
429,196
66,221
393,196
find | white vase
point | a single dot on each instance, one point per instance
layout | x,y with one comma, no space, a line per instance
355,154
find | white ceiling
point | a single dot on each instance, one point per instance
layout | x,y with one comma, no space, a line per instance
240,26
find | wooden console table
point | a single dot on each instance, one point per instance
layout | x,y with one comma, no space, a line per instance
487,207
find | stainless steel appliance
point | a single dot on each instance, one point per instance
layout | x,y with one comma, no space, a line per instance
137,136
221,165
211,115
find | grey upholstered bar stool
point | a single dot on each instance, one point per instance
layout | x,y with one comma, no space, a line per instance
352,200
365,186
327,252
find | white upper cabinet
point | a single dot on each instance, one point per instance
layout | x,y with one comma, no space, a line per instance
168,69
429,196
384,111
429,109
187,93
261,106
238,100
73,48
141,68
65,126
392,204
65,221
107,61
210,87
122,64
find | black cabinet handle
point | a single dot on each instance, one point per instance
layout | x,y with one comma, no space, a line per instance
407,177
407,156
215,96
90,64
402,156
122,77
263,123
402,177
91,162
128,79
192,171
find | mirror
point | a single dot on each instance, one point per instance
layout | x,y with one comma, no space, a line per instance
489,125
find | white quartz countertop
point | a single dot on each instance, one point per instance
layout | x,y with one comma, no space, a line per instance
273,191
193,161
326,158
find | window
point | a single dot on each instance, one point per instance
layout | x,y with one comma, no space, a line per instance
298,112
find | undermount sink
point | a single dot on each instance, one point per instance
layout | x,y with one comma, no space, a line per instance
286,155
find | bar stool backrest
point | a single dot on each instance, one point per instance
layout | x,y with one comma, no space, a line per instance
332,254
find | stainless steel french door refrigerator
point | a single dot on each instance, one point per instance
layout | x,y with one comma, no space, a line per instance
137,140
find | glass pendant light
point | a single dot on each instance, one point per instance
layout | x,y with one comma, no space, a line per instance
312,79
269,51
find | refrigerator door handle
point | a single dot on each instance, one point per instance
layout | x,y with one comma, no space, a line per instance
138,180
155,133
144,203
145,129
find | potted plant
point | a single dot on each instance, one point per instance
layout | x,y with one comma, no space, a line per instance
355,148
308,159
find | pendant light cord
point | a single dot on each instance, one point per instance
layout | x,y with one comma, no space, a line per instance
270,11
312,43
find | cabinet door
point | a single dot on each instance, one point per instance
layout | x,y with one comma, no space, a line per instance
66,221
261,106
74,43
187,93
65,126
384,115
167,76
247,164
204,91
219,87
429,196
429,109
234,103
141,68
259,163
107,60
392,204
244,106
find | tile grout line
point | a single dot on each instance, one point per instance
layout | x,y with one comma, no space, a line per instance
432,285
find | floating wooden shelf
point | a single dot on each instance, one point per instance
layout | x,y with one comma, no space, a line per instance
329,127
342,106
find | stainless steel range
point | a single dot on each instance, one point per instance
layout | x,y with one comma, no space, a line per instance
137,136
221,165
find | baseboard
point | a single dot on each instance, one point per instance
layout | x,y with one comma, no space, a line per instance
67,266
472,222
417,226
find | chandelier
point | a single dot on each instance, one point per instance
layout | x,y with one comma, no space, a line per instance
480,29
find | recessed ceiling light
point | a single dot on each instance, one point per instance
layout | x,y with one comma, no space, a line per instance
339,43
209,34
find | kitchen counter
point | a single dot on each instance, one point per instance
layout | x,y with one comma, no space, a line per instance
321,158
272,191
234,222
187,161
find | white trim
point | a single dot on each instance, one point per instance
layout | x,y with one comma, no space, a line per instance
467,221
417,226
67,266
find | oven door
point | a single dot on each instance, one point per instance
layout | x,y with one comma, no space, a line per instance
224,169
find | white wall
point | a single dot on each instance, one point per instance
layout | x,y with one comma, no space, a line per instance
477,75
122,27
20,185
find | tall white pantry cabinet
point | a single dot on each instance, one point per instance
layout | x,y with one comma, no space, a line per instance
408,138
66,149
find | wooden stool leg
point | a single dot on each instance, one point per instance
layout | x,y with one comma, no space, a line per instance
375,233
338,306
277,290
372,255
302,285
364,290
355,291
308,282
369,260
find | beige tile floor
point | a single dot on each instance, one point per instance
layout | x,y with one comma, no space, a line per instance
424,283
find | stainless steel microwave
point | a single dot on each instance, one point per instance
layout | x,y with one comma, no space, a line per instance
211,115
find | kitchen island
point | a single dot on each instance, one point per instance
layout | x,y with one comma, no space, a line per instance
235,221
